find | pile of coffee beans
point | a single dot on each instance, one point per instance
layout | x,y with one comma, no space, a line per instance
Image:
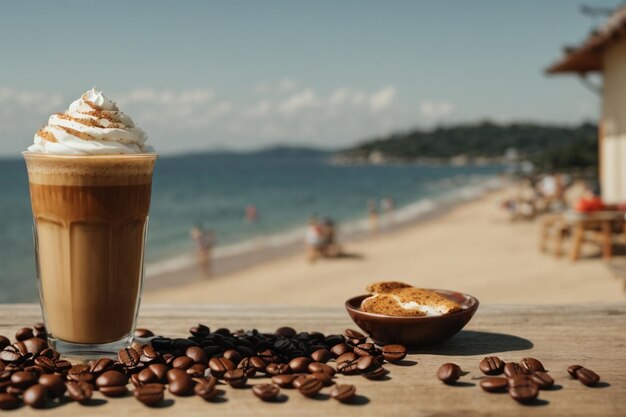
522,380
33,374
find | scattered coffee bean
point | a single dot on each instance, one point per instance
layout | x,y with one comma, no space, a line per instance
79,373
491,365
111,379
376,373
4,342
321,355
160,371
101,365
114,391
532,364
346,357
321,367
147,376
299,364
512,369
236,378
79,391
285,381
494,384
278,369
354,337
54,384
310,387
339,349
197,354
36,396
181,385
343,393
587,377
143,333
449,373
182,362
266,392
149,355
394,353
288,332
129,357
149,394
572,369
542,379
324,378
200,330
365,349
196,371
23,379
523,389
9,402
206,388
24,333
219,366
232,355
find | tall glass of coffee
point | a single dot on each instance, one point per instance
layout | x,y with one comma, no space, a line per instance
90,178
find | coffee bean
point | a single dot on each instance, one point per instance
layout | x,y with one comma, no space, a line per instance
340,349
394,353
512,369
324,378
138,346
354,335
366,363
247,367
236,378
375,373
36,396
285,381
160,371
143,333
79,373
149,394
206,388
134,379
23,379
197,354
219,366
63,366
196,371
321,367
182,362
321,355
232,355
129,357
147,376
10,355
299,364
15,390
523,389
449,373
4,342
365,349
300,380
346,357
587,377
277,369
532,364
114,391
287,332
111,379
491,365
572,369
9,402
266,392
35,345
181,386
343,393
542,379
348,367
149,355
199,330
269,356
310,387
24,333
54,384
79,391
494,384
101,365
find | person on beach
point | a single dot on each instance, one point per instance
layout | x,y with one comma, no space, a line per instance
205,241
387,206
314,239
330,247
252,214
372,214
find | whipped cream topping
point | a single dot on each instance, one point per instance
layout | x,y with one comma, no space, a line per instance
93,125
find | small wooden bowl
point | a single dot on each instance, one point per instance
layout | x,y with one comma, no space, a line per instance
413,331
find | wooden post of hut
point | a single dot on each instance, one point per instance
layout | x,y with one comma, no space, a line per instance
604,51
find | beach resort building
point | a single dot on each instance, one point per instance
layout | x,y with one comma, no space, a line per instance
604,52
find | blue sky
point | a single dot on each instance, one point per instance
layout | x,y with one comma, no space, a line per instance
203,75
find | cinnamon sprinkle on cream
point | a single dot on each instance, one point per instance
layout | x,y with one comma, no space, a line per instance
74,132
47,136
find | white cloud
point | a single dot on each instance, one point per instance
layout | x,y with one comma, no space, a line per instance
287,84
301,100
382,99
433,110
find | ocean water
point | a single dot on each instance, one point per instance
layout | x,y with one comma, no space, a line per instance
214,190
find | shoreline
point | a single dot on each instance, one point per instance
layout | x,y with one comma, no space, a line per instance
227,260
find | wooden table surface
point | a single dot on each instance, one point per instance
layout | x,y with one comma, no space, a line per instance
590,335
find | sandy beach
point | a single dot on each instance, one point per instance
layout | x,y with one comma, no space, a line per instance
472,248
